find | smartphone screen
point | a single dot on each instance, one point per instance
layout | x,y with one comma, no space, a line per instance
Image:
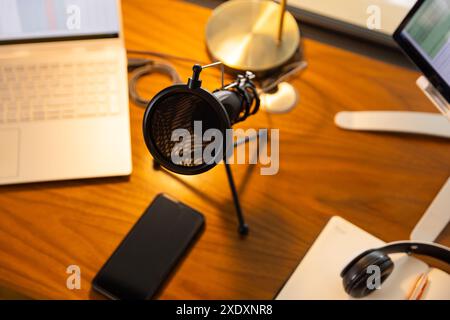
144,259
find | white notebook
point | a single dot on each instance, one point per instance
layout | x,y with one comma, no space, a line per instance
318,274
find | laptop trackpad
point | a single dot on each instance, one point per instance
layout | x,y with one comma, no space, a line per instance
9,153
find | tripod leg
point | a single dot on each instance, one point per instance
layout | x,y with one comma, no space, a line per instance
243,227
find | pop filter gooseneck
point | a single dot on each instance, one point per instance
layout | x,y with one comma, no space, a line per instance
181,106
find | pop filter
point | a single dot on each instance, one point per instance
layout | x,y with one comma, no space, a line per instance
181,107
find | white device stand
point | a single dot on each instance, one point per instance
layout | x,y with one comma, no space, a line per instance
435,219
434,95
402,121
437,216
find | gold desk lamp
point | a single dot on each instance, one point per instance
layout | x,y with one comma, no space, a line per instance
259,36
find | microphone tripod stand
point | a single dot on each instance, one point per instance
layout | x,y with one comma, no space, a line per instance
242,226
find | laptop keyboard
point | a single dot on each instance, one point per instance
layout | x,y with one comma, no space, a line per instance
52,91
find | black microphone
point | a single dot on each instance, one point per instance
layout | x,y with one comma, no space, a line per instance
181,105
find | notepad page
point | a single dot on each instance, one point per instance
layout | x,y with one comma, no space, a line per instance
438,287
318,274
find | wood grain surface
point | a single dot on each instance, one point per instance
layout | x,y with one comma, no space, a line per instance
381,182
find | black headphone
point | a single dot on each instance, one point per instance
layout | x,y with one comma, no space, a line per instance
355,274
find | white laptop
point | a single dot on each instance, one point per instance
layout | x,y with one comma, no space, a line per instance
63,91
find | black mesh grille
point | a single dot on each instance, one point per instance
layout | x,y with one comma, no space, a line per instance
179,111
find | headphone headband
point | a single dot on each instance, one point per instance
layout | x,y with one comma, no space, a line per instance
355,276
430,249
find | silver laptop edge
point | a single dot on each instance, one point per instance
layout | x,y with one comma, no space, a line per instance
71,120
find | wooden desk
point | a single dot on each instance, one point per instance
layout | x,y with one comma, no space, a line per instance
381,182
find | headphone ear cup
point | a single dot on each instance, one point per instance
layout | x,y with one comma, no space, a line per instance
355,278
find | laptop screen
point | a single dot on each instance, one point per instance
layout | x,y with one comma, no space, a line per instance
429,32
23,21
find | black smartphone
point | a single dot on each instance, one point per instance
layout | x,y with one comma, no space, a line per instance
150,251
